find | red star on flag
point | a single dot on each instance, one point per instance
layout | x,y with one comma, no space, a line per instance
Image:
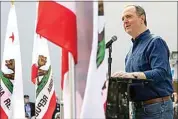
12,37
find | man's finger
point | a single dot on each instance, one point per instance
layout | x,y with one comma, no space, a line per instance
118,74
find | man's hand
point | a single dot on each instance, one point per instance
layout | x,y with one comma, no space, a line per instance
139,75
121,74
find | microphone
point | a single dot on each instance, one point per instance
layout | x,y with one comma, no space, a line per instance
109,43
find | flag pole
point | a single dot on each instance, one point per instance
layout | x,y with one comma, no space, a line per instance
72,85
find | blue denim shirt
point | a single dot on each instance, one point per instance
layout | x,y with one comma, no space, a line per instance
150,55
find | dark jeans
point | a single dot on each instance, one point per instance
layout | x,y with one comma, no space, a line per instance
162,110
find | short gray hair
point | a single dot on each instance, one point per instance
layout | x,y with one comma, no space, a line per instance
140,11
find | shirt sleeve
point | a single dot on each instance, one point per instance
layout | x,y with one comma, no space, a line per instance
158,55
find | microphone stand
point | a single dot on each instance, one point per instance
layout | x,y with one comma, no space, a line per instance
109,61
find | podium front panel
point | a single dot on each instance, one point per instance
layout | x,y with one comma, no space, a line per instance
117,101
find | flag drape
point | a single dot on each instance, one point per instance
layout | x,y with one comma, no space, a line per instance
44,84
11,83
94,100
57,23
42,76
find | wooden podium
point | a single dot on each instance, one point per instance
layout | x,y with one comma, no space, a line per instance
118,97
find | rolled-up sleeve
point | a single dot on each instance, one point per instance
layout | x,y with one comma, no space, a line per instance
159,60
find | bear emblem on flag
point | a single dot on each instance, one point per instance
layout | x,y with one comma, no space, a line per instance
41,62
7,78
10,64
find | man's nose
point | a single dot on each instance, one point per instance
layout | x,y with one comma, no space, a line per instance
126,21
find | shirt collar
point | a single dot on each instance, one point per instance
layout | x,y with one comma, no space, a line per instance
142,36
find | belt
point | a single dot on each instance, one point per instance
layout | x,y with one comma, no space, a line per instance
152,101
156,100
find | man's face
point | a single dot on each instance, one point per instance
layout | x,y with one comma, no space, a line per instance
26,100
131,21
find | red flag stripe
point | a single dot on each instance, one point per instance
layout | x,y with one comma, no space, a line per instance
105,106
2,114
65,65
58,24
34,73
52,105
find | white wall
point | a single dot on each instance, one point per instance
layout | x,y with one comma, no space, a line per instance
161,18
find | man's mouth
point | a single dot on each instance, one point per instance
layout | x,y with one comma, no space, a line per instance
127,26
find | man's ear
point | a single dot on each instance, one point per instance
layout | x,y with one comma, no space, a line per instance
143,18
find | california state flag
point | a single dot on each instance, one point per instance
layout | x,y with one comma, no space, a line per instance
57,23
95,92
11,85
43,79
